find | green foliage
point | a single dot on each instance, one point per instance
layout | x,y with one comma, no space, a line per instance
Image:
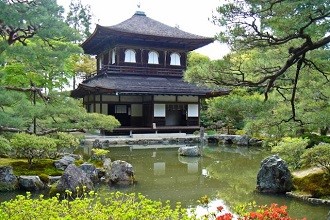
319,156
90,206
37,19
270,56
79,17
32,146
44,177
315,139
196,59
39,167
100,152
290,150
100,121
236,109
317,184
65,141
4,146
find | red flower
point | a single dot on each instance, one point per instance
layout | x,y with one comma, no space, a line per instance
227,216
220,208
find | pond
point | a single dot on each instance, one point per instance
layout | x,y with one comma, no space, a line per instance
227,173
224,172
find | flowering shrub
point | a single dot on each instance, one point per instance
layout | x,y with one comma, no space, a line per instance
120,206
274,212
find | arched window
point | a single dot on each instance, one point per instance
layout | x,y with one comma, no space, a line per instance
175,59
130,56
153,57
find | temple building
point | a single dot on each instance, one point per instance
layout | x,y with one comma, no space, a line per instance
139,80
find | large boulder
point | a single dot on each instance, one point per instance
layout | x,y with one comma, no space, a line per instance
189,151
30,183
274,176
72,179
64,162
121,173
91,171
8,181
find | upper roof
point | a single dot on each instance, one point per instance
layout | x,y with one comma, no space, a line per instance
137,84
142,30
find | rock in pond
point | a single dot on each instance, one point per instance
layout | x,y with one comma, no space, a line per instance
72,178
189,151
274,176
30,183
64,162
121,173
8,181
91,171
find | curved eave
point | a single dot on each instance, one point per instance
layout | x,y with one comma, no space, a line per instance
103,37
84,90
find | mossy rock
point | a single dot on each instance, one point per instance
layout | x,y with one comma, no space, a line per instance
317,184
53,190
8,187
44,178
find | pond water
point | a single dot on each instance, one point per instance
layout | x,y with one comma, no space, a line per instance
223,172
227,173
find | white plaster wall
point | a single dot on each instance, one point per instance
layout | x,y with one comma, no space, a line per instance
110,98
188,99
164,98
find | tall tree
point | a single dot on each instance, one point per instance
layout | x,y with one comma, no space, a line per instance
277,45
33,70
79,17
21,20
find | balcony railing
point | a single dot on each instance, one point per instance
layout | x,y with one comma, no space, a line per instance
142,70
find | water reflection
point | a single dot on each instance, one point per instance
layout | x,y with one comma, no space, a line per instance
223,172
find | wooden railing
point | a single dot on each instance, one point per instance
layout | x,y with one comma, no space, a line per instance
142,70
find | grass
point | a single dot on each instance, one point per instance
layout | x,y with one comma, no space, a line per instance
41,166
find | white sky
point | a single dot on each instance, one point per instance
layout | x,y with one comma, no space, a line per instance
190,15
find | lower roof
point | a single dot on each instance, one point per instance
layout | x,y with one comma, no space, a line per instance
139,85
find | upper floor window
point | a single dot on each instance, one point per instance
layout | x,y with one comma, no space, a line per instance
130,56
113,56
101,61
175,59
153,57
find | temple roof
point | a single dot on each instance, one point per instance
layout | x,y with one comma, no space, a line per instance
137,84
140,29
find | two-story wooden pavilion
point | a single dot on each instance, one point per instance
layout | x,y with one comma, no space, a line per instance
140,65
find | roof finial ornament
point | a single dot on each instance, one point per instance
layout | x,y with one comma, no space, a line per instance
139,11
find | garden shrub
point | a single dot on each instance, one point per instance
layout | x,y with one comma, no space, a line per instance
290,150
116,206
319,156
317,184
66,140
4,146
32,146
315,139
